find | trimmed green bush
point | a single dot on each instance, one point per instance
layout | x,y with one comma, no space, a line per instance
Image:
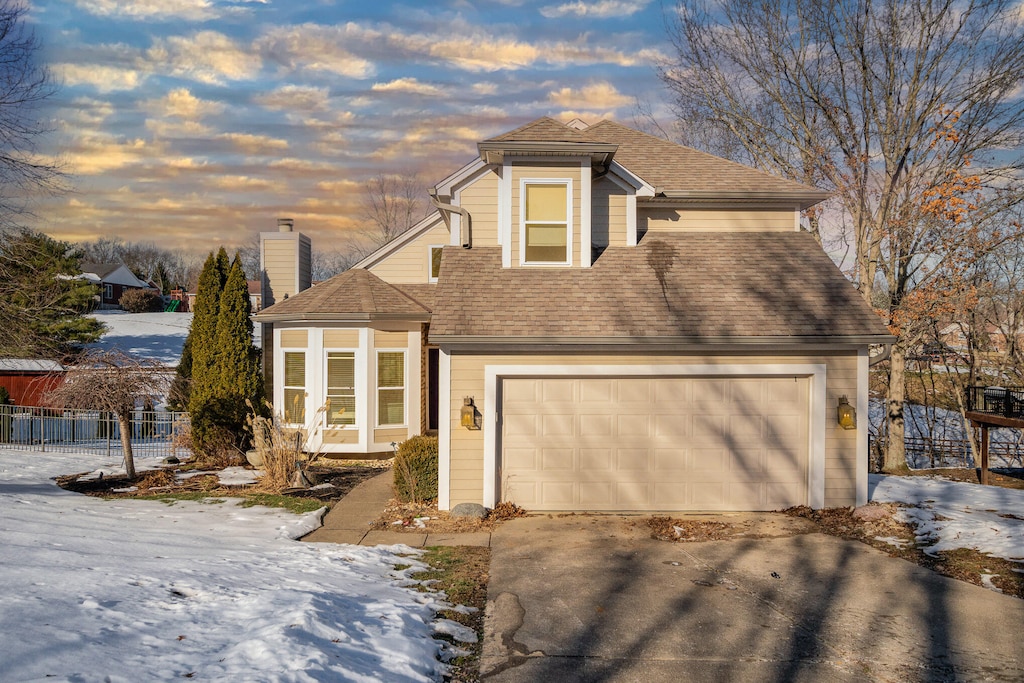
416,469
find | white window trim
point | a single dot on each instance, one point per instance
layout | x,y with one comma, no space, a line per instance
430,260
355,387
377,388
493,374
444,429
505,213
279,388
567,182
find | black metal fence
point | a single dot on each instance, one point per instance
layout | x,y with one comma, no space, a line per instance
926,452
155,433
1004,401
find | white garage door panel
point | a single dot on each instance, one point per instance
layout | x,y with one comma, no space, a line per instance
654,443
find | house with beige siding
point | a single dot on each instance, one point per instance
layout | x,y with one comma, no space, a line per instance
594,319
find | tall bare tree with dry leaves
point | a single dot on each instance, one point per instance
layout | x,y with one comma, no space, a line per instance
25,85
849,95
112,381
391,204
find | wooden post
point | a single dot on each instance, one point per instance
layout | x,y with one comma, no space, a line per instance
984,454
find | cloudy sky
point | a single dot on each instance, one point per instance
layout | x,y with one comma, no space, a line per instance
195,123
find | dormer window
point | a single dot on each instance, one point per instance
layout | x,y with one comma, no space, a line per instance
546,222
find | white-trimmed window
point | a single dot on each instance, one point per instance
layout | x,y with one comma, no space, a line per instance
341,388
295,387
390,388
434,264
546,224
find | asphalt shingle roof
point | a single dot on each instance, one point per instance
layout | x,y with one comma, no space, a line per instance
544,129
699,286
354,292
676,168
672,168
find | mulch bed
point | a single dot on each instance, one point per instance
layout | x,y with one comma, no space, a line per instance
426,518
161,481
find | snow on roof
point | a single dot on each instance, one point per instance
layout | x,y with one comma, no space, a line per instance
29,365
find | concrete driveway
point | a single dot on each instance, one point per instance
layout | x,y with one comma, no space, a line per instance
594,598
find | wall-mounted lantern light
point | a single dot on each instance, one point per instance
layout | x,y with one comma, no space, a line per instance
846,414
469,414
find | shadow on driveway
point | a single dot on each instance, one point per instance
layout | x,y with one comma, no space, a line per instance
594,598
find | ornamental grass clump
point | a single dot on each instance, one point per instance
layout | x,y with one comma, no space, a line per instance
416,470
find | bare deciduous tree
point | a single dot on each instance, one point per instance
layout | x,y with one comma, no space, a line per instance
392,204
111,381
24,87
149,261
850,96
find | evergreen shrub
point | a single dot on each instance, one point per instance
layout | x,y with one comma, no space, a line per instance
416,469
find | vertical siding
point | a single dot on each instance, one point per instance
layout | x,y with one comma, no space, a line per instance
467,379
672,220
410,264
480,198
305,263
540,172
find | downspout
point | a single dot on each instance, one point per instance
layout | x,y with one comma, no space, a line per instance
884,355
467,235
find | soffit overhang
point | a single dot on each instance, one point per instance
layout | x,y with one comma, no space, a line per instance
496,151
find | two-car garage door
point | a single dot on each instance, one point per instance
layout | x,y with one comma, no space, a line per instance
654,443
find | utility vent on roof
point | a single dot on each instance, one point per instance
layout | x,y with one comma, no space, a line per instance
578,124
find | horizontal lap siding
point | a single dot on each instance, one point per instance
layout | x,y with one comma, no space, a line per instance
397,434
608,215
341,339
340,436
409,265
675,220
480,199
467,379
533,172
295,339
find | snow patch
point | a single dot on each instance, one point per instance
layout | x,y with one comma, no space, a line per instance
216,592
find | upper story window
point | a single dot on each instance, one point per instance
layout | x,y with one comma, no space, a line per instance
435,262
546,222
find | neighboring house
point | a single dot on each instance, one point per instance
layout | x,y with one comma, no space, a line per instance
27,380
593,319
255,295
113,279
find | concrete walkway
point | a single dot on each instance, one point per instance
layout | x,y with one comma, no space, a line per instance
350,519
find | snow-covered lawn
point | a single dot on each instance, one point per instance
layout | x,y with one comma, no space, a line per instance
159,337
130,590
951,514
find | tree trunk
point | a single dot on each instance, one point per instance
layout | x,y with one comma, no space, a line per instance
125,421
895,461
